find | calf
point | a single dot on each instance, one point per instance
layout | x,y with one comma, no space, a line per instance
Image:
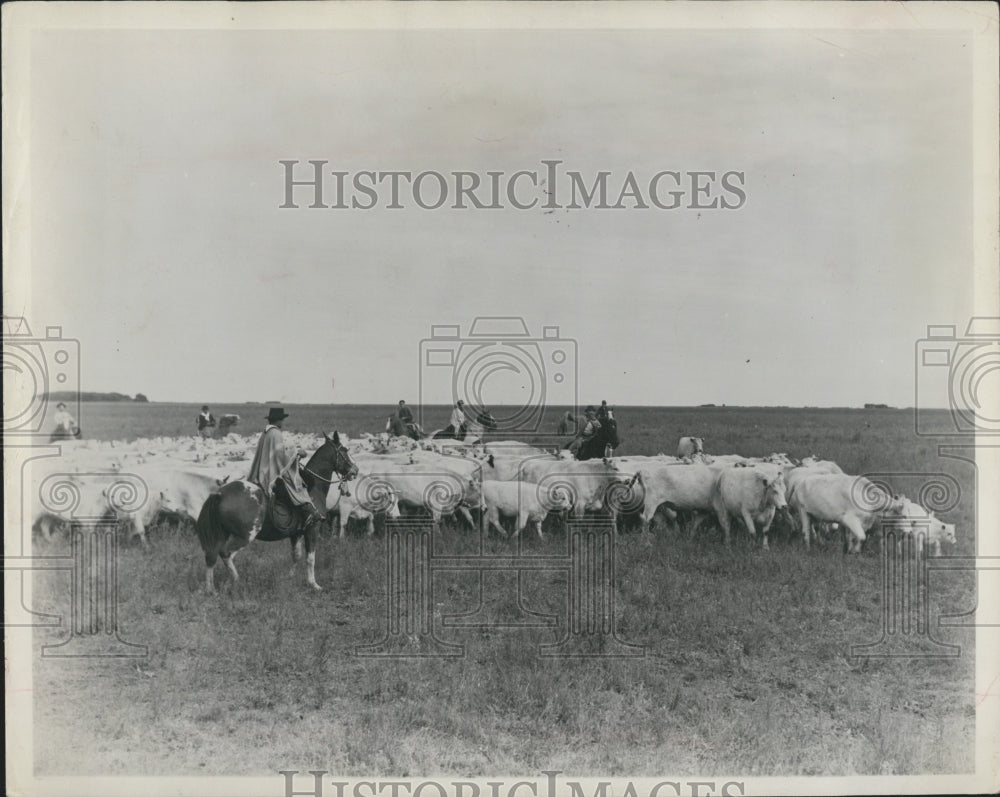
916,522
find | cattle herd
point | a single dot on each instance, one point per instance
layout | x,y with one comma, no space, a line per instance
499,481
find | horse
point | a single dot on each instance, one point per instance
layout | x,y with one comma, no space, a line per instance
603,443
239,512
62,433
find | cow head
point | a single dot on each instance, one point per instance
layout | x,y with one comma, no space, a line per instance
774,490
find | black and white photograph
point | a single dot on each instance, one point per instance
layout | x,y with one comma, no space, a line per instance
489,399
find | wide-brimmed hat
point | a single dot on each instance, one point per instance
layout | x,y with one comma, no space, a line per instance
204,407
590,409
276,414
60,404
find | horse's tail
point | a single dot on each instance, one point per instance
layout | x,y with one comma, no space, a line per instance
211,535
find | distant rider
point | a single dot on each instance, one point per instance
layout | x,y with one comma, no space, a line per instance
591,426
206,422
65,423
456,425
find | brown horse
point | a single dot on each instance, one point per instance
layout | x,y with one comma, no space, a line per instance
239,513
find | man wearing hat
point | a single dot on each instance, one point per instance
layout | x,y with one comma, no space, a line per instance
457,423
590,427
206,422
273,462
65,423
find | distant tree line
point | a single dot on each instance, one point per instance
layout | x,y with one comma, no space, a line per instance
67,395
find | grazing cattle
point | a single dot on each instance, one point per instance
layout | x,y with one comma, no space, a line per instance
97,498
236,514
726,460
367,498
587,485
441,490
916,522
672,486
752,494
689,446
529,503
851,501
818,465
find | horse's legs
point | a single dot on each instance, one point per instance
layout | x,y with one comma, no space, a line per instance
232,566
297,546
210,559
311,538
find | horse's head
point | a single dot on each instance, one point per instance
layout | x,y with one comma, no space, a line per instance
332,457
610,429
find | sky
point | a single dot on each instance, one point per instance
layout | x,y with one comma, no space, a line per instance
158,242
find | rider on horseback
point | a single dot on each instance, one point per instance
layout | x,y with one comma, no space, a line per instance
279,473
591,426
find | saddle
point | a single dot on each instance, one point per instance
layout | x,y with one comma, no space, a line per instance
283,515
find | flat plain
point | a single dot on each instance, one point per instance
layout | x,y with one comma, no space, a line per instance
747,664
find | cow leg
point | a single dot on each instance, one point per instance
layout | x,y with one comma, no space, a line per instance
724,523
857,533
343,518
371,525
538,528
806,527
748,522
463,510
765,529
699,518
137,529
493,519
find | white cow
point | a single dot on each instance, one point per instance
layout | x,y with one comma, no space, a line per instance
363,499
523,500
916,522
689,446
752,494
588,485
671,487
439,490
821,465
851,501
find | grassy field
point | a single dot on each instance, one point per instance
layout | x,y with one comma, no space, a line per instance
747,666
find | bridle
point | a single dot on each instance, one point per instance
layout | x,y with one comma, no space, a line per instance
342,455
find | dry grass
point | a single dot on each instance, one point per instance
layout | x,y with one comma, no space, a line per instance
746,670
